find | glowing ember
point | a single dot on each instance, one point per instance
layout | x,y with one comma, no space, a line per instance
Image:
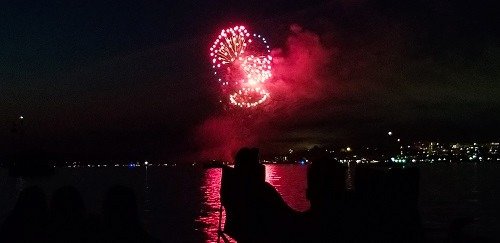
242,64
257,69
248,97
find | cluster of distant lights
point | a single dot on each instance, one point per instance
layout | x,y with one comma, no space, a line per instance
237,51
424,154
129,165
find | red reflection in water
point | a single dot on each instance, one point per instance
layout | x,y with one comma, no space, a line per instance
289,180
211,204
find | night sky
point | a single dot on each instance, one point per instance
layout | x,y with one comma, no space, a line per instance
132,79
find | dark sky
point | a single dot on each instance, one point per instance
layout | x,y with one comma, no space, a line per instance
131,79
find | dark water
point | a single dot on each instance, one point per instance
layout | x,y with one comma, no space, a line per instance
182,204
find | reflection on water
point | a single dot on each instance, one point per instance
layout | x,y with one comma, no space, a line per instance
210,212
289,180
446,192
291,183
182,205
147,200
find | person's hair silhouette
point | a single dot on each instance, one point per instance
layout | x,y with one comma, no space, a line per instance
328,216
247,165
255,211
121,219
68,216
27,221
325,183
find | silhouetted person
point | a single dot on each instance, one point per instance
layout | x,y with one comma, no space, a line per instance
328,219
120,218
68,217
28,220
248,167
255,212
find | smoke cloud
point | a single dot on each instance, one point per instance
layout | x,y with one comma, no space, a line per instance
299,81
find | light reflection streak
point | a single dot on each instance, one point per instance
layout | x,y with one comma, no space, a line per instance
272,177
211,204
289,181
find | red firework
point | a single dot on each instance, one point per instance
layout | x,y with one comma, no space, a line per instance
242,65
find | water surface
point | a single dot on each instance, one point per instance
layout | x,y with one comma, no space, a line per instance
181,204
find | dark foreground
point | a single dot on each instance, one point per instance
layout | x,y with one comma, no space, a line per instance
181,204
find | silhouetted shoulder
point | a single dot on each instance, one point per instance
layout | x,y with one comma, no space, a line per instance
120,217
27,222
68,219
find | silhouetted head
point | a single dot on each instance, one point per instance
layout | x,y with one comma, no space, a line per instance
120,207
318,154
247,164
31,203
27,222
325,182
67,204
246,157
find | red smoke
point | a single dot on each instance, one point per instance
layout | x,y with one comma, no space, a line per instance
298,69
299,80
219,137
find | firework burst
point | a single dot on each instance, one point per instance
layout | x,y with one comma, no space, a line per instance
242,65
